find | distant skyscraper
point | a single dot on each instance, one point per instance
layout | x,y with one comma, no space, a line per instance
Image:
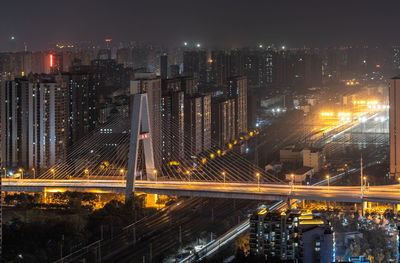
172,115
185,84
394,126
197,124
237,89
223,121
164,66
83,105
109,77
124,57
252,102
195,65
104,54
312,70
283,70
220,68
173,71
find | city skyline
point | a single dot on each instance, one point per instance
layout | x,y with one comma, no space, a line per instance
199,131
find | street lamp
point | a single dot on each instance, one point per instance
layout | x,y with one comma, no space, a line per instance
258,179
224,175
327,177
122,171
365,181
155,173
53,172
34,173
5,172
188,174
87,173
22,173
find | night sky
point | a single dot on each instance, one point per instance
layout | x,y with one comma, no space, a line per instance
211,22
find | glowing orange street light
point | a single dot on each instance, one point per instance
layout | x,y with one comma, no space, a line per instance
292,176
155,173
53,172
22,173
224,175
188,174
258,178
327,177
34,173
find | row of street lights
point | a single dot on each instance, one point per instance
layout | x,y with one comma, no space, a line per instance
258,175
21,170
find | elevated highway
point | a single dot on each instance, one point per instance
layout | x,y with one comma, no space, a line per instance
383,194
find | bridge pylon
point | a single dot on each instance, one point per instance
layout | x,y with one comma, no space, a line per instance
140,130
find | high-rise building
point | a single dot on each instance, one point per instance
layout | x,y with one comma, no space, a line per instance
149,83
173,71
312,70
164,66
220,68
104,54
291,237
124,57
197,121
266,72
223,121
173,133
394,126
237,90
83,108
49,117
186,84
109,76
334,67
34,122
14,123
283,71
252,105
195,65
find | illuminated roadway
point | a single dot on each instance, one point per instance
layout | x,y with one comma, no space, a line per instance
383,194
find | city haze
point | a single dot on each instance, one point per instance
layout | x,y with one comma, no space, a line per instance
224,23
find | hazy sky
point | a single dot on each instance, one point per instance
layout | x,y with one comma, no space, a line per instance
228,22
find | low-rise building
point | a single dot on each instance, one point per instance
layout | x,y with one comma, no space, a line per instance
290,154
313,158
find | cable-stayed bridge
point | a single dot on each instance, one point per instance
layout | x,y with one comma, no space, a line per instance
121,157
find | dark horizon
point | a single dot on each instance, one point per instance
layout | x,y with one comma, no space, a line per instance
221,23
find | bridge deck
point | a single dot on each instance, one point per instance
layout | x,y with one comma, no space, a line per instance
385,194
